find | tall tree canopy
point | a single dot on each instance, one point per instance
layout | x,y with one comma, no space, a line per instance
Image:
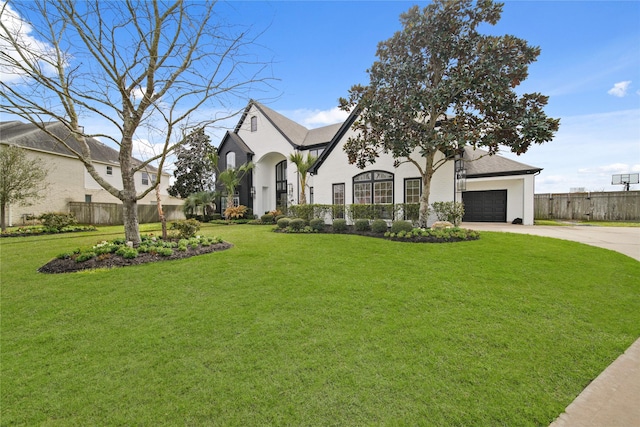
194,171
22,179
439,85
142,67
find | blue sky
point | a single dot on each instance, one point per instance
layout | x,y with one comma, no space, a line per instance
589,66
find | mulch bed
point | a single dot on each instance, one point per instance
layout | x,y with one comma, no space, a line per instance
413,239
112,260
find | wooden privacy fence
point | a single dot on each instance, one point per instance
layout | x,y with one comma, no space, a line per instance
600,206
111,213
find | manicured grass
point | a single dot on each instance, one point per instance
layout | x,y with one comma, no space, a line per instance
289,329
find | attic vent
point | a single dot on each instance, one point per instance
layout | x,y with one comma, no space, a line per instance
254,123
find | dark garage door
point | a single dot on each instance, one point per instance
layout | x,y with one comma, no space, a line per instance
485,206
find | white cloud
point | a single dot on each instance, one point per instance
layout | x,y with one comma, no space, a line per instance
609,169
327,117
138,93
620,89
41,53
586,151
316,118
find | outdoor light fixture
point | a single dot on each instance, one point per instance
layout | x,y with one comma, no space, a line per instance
290,189
460,175
461,179
253,192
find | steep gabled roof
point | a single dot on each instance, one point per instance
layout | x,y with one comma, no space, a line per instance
297,135
342,129
235,138
321,135
292,131
480,164
29,136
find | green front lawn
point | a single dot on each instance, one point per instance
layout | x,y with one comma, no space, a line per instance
314,329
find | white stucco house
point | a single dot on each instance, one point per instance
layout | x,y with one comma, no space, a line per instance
496,189
67,179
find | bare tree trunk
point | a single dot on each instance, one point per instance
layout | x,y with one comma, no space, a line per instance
130,218
426,190
3,224
163,220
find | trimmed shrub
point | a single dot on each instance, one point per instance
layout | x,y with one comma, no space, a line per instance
186,228
267,218
165,251
379,226
362,225
283,223
302,211
398,226
297,224
56,221
339,225
317,224
85,256
279,217
449,211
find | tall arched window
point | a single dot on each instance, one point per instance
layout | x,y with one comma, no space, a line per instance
373,188
231,160
281,186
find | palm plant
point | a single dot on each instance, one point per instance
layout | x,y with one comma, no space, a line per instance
202,199
303,164
230,179
190,205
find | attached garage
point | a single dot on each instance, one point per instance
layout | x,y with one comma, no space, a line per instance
485,206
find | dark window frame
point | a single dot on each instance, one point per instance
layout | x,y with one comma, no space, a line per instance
406,180
372,181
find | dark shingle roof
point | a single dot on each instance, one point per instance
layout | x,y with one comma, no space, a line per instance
297,135
235,138
479,164
29,136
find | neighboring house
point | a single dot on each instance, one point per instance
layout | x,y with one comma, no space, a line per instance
495,189
68,180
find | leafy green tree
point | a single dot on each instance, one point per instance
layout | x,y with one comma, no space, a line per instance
231,178
303,164
21,179
439,85
193,172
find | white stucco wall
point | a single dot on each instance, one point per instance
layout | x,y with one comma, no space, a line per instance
336,170
270,148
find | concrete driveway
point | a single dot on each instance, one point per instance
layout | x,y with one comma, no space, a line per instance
625,240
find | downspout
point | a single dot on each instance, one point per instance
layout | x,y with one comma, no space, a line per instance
533,220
